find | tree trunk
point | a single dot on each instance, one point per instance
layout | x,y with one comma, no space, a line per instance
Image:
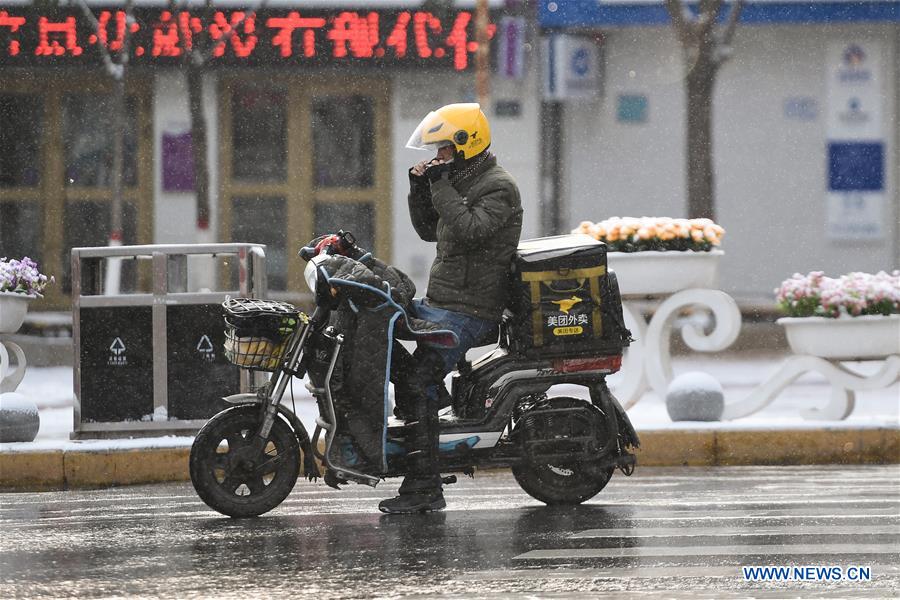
198,145
701,178
482,55
113,277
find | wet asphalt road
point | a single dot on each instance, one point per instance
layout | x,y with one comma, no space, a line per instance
661,533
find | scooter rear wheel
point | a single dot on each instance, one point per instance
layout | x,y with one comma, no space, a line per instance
233,478
562,482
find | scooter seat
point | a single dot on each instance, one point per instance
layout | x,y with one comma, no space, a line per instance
411,328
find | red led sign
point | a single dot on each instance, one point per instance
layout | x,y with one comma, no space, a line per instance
29,37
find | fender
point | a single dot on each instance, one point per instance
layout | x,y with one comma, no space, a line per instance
310,469
609,405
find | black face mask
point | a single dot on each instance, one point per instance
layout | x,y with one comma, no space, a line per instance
459,160
462,168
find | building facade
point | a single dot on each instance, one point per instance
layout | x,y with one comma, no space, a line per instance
309,106
308,109
806,126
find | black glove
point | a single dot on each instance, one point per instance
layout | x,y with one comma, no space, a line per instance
354,252
348,246
417,180
438,171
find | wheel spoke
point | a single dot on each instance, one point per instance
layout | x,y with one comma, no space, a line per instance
220,461
232,481
255,484
235,440
272,462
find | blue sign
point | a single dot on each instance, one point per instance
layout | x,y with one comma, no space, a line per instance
801,108
632,108
855,167
624,13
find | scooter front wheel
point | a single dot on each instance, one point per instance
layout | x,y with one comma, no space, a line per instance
231,476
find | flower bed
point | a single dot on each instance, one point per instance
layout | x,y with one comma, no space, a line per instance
631,234
854,294
853,317
659,255
22,277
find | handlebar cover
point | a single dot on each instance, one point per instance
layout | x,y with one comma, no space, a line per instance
335,243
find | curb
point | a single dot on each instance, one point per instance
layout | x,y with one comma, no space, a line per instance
711,448
73,469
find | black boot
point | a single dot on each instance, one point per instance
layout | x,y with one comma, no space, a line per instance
418,493
413,503
421,490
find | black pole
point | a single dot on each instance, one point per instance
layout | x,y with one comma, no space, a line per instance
552,200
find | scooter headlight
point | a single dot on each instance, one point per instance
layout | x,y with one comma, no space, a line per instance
311,273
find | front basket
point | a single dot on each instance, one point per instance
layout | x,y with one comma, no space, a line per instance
257,331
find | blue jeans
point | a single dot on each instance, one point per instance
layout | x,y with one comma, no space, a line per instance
470,330
432,363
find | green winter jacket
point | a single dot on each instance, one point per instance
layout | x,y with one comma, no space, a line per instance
476,223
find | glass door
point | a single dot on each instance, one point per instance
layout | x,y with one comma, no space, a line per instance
56,168
22,118
300,158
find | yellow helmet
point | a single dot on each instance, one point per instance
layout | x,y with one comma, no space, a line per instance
463,126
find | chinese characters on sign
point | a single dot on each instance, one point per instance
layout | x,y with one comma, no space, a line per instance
32,37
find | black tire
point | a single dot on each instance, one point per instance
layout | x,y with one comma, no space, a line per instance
226,474
562,482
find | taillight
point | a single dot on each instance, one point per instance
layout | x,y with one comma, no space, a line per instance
609,364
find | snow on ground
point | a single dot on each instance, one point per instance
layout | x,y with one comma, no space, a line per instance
52,390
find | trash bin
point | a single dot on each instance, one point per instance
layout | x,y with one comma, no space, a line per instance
152,362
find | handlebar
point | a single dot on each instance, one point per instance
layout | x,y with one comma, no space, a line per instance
330,244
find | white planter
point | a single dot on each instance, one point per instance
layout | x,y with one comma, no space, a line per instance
846,338
655,273
13,307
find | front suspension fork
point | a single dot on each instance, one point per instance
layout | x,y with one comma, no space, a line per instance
275,390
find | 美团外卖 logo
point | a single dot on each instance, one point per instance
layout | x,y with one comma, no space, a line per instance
567,320
566,304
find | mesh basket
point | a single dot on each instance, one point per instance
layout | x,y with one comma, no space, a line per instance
257,331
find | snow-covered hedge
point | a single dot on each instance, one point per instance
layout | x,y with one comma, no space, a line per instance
814,295
631,234
22,277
